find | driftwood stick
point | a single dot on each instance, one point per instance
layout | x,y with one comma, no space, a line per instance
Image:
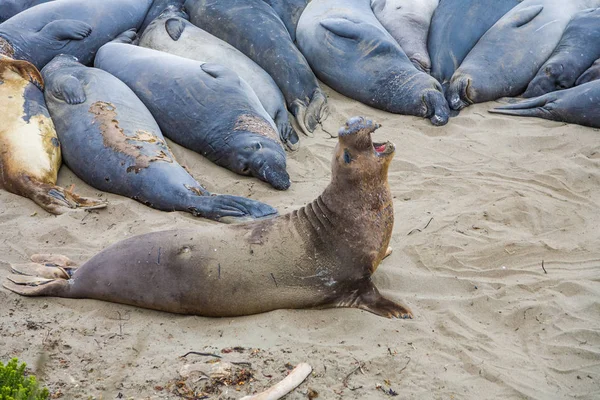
289,383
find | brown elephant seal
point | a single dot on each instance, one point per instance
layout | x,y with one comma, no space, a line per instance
30,154
322,255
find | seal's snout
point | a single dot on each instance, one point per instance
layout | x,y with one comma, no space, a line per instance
357,124
270,167
438,111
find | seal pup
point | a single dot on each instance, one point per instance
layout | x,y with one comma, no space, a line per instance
242,24
10,8
408,22
353,53
591,74
174,34
455,27
510,54
72,27
206,108
289,11
320,256
577,50
99,118
577,105
30,155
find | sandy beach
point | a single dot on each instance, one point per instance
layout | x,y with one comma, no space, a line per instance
496,251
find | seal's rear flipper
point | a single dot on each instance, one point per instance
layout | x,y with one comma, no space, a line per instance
309,116
57,200
57,260
536,107
67,29
23,68
371,300
39,270
32,286
287,134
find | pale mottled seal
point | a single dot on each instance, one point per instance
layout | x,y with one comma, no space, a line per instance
353,53
408,22
577,50
172,33
30,154
455,28
591,74
289,11
72,27
254,28
10,8
322,255
203,107
578,105
99,118
509,55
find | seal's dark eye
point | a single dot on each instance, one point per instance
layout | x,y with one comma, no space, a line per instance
347,157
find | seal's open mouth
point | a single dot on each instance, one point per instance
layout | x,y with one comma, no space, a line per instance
382,149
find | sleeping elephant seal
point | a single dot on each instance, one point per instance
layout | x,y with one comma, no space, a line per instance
30,154
591,74
289,11
72,27
172,33
244,24
99,118
578,105
408,22
455,28
322,255
203,107
351,52
10,8
509,55
578,48
157,7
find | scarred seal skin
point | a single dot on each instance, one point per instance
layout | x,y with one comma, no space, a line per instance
111,141
72,27
320,256
455,28
244,24
352,52
511,53
172,33
577,50
10,8
408,22
204,107
578,105
30,155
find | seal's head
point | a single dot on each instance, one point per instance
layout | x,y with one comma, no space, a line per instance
357,158
551,78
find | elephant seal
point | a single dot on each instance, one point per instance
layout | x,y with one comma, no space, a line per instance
591,74
10,8
455,28
578,48
206,108
242,24
72,27
322,255
30,155
509,55
172,33
353,53
408,22
99,118
578,105
289,11
156,9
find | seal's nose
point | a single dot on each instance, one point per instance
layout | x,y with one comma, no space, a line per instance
356,124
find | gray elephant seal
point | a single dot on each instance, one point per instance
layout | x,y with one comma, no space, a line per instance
99,118
591,74
73,27
577,50
578,105
30,155
511,53
244,24
10,8
206,108
172,33
322,255
352,52
289,11
408,22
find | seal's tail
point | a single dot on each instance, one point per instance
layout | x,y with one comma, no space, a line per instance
57,200
47,275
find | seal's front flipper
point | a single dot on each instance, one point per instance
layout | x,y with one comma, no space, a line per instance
69,89
67,29
34,286
175,27
57,200
39,270
537,107
287,134
127,37
24,68
526,15
342,27
371,300
230,209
